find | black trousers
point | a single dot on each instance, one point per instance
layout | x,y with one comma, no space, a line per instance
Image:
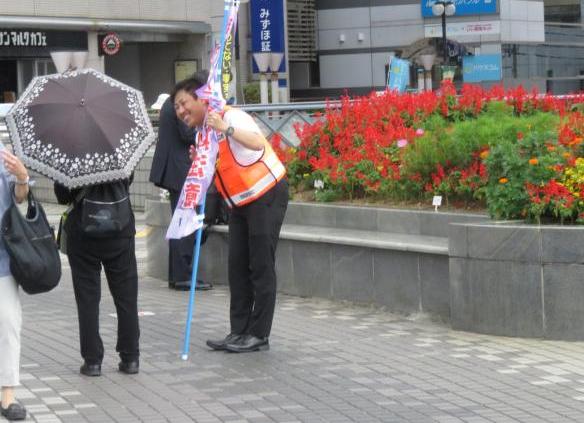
180,251
118,257
254,230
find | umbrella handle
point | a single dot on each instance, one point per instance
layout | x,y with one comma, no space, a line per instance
196,254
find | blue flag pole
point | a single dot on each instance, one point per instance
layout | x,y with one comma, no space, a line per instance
196,253
228,4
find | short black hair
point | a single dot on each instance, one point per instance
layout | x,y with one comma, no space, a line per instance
191,84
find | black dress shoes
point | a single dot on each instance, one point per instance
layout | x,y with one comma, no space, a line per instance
220,344
13,412
129,367
203,286
90,369
248,343
186,285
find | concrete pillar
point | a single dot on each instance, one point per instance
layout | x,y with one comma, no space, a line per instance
264,88
420,80
275,89
244,57
94,60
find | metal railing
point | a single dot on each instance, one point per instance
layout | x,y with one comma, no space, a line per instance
283,118
279,118
271,118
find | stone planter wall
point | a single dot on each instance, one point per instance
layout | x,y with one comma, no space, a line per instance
497,278
517,280
393,258
157,217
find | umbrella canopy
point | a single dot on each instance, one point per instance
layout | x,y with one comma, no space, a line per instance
80,128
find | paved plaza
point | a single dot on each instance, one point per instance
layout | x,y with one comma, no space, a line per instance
329,362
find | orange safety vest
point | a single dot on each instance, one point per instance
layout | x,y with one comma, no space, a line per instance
239,184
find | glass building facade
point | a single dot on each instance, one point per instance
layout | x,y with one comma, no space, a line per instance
558,62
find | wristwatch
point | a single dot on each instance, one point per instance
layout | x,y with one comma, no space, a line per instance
25,182
229,131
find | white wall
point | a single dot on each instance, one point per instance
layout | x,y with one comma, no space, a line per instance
522,21
382,28
345,70
180,10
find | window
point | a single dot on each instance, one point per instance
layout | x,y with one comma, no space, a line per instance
30,68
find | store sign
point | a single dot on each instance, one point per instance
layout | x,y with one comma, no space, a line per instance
482,68
462,29
39,43
463,7
267,28
111,44
23,39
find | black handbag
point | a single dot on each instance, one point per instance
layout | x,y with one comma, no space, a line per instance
30,242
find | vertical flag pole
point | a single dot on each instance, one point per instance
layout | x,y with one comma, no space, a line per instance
196,252
228,4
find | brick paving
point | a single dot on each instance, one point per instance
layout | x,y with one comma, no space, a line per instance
330,362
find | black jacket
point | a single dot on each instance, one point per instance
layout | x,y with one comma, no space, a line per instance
171,161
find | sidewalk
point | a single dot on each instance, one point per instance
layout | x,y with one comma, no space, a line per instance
329,362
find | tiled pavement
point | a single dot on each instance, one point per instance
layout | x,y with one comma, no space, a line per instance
329,362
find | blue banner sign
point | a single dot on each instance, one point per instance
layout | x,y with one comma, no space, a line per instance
482,68
267,28
464,7
399,74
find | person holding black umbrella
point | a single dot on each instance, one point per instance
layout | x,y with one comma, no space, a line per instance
88,132
114,249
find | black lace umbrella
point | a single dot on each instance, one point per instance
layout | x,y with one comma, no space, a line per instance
80,128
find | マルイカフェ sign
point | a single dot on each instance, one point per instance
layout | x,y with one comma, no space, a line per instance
23,39
463,7
267,28
39,43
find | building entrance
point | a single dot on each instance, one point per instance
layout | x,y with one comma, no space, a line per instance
8,81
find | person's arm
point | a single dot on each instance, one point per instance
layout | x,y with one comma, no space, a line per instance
15,167
251,139
62,193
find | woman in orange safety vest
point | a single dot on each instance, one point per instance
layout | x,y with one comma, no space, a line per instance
252,180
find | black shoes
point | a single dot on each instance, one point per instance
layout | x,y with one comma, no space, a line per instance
90,369
221,344
13,412
239,343
186,285
129,367
203,286
248,343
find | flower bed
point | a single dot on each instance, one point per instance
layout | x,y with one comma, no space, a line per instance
518,154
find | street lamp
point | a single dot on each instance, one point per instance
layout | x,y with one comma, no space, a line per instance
444,8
